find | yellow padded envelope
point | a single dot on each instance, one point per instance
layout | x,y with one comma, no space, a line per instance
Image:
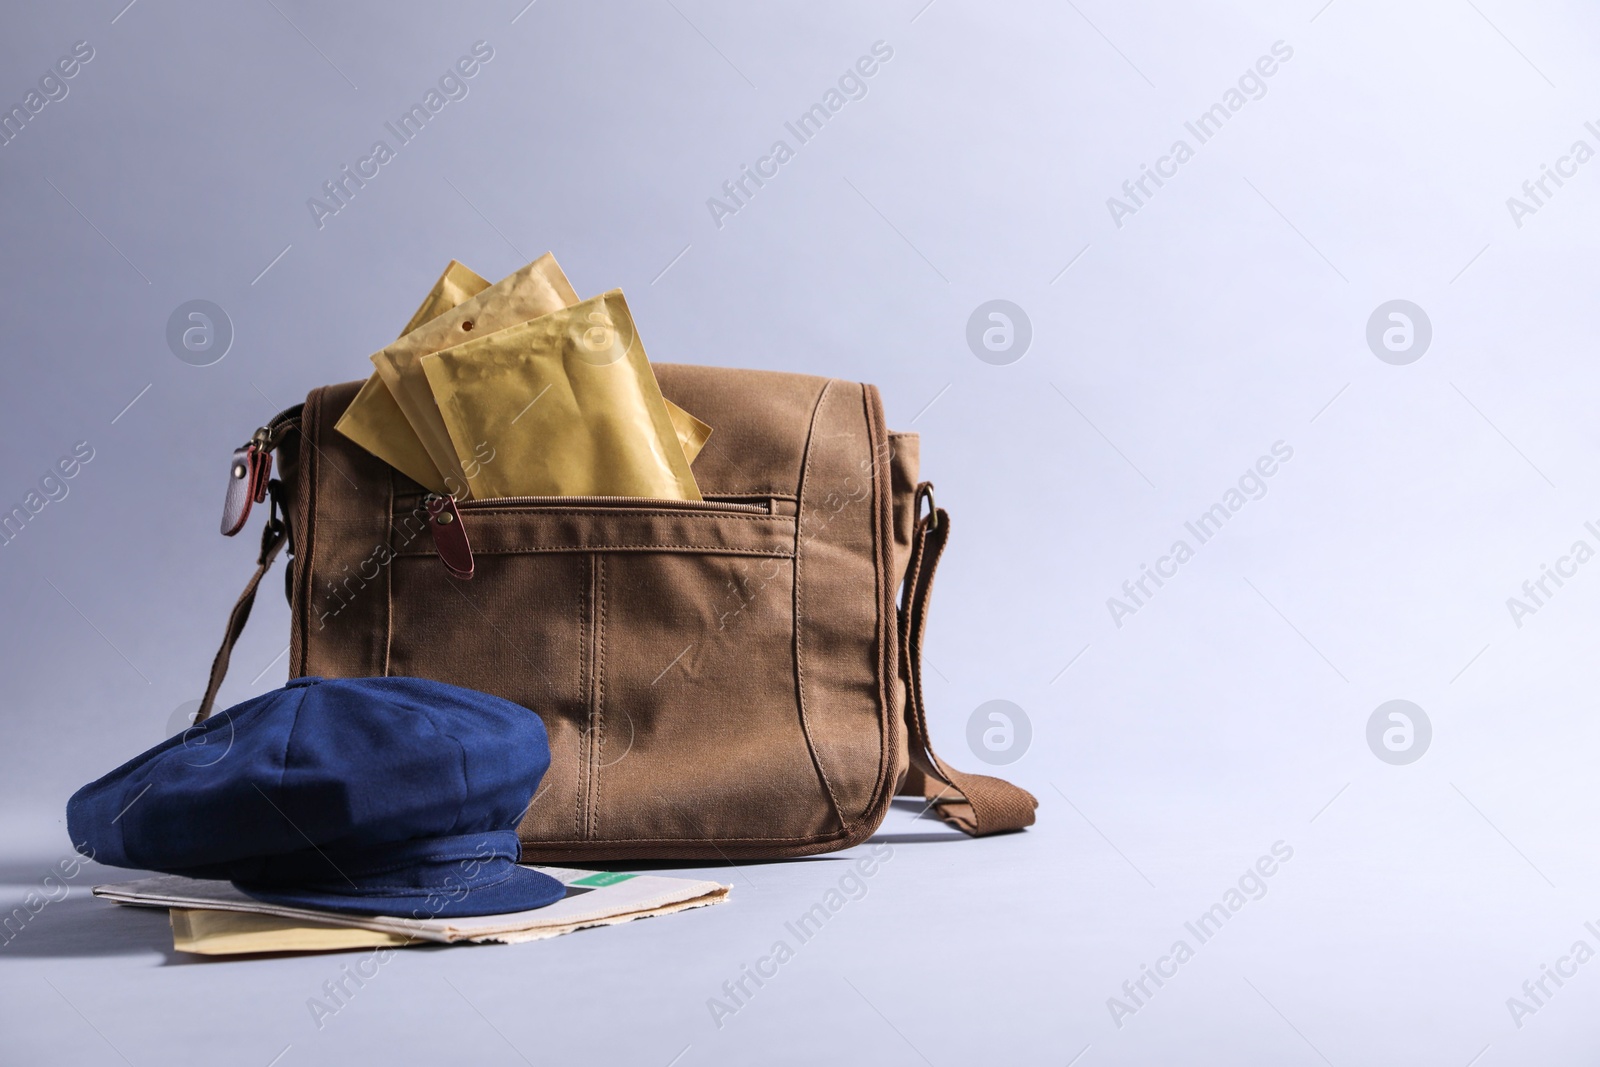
569,405
535,290
375,422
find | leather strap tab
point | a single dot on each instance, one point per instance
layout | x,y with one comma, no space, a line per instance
974,803
450,537
248,472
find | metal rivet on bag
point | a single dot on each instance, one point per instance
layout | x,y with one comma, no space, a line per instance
445,518
239,470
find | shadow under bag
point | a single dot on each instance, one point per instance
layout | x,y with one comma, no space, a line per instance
730,677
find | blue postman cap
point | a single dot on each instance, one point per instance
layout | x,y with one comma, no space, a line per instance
377,796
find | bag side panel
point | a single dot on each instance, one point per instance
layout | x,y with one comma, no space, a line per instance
904,473
845,647
341,617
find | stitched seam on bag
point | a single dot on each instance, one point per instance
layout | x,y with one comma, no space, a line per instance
775,553
799,612
781,494
309,417
320,460
580,770
896,735
592,692
697,845
388,582
487,504
882,564
598,748
587,723
586,719
891,714
670,513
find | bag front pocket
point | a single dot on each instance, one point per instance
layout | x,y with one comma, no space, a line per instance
605,616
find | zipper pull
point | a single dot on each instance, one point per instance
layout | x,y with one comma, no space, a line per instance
449,536
248,473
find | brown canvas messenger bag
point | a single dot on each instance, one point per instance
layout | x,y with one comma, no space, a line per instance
719,679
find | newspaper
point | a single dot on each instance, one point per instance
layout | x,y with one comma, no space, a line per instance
594,898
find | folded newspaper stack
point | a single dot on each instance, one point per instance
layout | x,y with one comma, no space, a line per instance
213,918
521,389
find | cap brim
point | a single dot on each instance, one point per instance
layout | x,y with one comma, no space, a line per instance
522,890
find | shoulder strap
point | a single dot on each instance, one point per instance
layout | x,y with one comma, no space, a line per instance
974,803
273,537
254,460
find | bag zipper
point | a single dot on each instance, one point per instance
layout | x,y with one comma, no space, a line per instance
646,503
450,533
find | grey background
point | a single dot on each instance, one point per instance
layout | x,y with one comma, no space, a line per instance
1229,313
